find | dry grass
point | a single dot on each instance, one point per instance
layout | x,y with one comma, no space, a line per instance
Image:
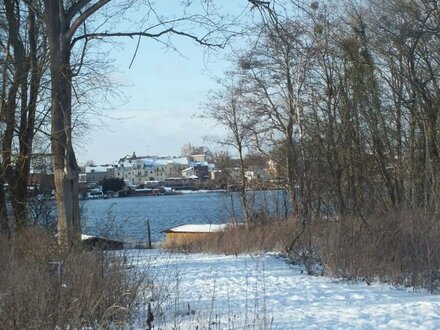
401,248
398,247
260,237
40,289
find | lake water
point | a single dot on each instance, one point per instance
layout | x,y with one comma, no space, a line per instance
126,218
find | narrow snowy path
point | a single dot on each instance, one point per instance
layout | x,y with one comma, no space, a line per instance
263,292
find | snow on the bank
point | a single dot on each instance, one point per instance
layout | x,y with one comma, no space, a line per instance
197,228
264,292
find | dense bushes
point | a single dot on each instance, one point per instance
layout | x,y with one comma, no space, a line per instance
41,289
402,248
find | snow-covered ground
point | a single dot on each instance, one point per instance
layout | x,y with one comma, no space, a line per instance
264,292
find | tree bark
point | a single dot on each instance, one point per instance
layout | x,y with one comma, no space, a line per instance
18,80
30,90
65,168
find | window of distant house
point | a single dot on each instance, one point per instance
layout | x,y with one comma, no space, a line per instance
151,172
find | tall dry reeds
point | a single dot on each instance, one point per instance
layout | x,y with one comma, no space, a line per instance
42,289
257,237
398,247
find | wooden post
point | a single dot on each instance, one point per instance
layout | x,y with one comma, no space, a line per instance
150,318
149,234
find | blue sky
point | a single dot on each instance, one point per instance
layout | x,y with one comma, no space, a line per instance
164,90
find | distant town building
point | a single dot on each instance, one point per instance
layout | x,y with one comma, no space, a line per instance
189,173
196,163
200,170
198,154
141,170
96,173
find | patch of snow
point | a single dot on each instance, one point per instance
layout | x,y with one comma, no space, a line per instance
200,191
197,228
177,161
264,292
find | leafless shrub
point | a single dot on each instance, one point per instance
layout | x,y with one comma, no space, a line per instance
398,247
42,289
42,212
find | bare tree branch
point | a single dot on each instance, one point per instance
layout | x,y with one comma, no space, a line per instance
83,16
202,41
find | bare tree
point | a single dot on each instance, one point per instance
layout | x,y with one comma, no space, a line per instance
228,109
276,73
66,24
23,69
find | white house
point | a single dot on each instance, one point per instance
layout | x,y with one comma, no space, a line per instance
139,170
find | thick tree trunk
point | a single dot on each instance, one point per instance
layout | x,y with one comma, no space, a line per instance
64,164
16,167
30,89
18,80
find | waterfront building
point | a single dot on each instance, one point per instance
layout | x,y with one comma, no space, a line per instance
142,170
96,173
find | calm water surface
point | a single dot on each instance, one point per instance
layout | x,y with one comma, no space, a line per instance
125,218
